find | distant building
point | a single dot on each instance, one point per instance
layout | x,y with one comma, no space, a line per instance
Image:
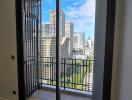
64,47
49,30
62,21
69,29
89,47
49,47
78,43
49,54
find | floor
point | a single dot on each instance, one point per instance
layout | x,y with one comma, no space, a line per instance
48,95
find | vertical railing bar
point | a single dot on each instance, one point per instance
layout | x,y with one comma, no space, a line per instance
31,52
30,79
62,69
42,61
48,78
72,74
28,46
25,44
64,73
86,76
45,68
26,78
37,39
50,71
67,61
41,35
83,76
34,44
75,74
32,32
89,76
80,65
70,71
85,84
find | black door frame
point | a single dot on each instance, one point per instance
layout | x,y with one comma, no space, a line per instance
109,40
58,95
20,55
109,45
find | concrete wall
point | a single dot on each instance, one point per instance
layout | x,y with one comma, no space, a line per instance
8,67
122,65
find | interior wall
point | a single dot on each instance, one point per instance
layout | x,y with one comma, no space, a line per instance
126,59
122,63
8,66
117,49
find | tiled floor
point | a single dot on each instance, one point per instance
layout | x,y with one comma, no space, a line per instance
48,95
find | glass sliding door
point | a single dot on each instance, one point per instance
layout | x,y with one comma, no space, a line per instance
58,38
50,58
77,22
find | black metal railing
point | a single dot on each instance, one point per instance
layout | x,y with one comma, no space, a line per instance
75,73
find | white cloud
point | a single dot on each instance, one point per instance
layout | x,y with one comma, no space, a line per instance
82,16
78,2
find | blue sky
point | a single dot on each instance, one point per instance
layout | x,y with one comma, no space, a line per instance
80,12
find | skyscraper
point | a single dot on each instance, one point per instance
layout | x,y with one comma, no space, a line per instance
49,30
79,42
69,29
62,21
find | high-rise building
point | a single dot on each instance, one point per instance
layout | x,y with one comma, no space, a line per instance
89,47
49,53
49,47
62,21
49,30
78,42
69,29
82,35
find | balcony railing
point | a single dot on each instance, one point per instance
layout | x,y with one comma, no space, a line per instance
76,74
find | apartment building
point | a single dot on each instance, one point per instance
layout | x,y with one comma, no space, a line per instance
69,30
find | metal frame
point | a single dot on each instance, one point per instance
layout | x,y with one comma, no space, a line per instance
20,56
108,49
57,51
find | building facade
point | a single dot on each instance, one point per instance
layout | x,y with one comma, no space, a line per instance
62,21
69,29
78,43
49,55
89,47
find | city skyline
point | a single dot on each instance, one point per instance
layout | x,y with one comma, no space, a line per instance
76,11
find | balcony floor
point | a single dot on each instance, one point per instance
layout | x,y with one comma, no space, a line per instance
50,95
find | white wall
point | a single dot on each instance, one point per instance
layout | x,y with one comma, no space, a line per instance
8,67
122,65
